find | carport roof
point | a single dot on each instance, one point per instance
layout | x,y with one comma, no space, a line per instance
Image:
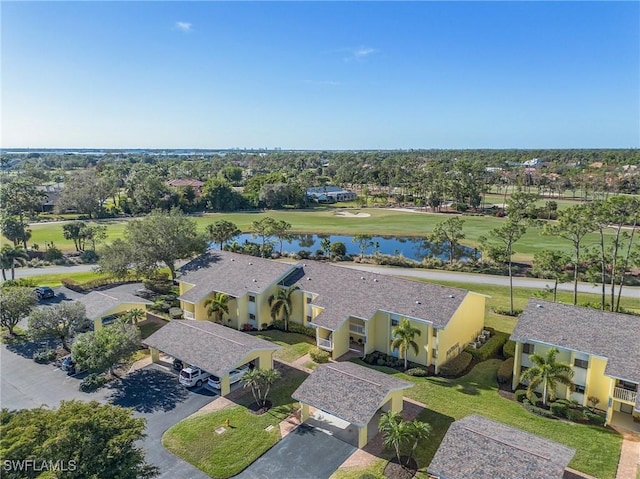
215,348
98,303
349,391
484,449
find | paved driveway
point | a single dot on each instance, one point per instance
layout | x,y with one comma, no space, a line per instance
306,453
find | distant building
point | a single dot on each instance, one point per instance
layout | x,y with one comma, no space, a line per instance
330,194
534,163
184,182
52,195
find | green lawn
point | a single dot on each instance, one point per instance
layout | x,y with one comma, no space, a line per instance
53,280
294,345
148,329
597,449
324,220
221,456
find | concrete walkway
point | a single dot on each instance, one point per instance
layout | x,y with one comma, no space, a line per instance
629,462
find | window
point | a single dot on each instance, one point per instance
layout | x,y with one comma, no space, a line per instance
527,348
394,322
581,363
579,389
309,318
308,299
252,316
252,299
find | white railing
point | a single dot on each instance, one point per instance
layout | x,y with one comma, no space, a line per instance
325,344
188,314
356,328
624,394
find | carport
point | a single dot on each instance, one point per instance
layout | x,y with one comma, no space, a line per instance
348,394
101,305
212,347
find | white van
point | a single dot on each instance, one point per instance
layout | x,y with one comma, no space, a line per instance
193,376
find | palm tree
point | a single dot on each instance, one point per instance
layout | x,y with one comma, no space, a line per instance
135,315
260,382
394,431
12,255
419,430
403,339
5,264
217,306
281,303
548,373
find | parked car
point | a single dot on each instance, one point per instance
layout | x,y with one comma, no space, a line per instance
45,292
193,376
234,377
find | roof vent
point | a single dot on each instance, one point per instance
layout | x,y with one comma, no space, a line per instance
250,262
538,306
233,259
375,280
418,302
304,264
308,279
451,296
361,277
255,280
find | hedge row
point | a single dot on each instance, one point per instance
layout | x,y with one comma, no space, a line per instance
319,356
538,411
509,349
491,348
505,371
294,328
457,365
91,285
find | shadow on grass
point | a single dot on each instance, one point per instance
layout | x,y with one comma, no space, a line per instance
427,447
149,390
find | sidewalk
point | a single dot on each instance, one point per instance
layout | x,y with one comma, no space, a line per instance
629,455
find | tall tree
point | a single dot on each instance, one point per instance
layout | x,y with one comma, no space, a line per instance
90,439
217,306
20,196
15,230
15,304
102,349
62,322
116,259
363,241
403,339
548,373
281,303
551,264
12,256
222,231
395,433
263,229
281,230
164,238
573,224
448,232
260,381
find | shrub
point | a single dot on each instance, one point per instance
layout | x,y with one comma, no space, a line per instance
294,328
521,395
304,254
505,371
319,356
538,411
175,313
457,365
417,372
89,256
596,419
93,382
44,357
381,362
559,409
159,285
367,475
72,284
507,312
575,415
491,348
509,349
53,254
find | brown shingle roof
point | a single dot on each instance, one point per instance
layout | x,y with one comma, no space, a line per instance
610,335
230,273
344,292
186,182
349,391
98,303
479,448
215,348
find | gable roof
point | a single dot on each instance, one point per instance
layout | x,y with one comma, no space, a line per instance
186,182
349,391
98,303
484,449
344,292
215,348
593,331
229,273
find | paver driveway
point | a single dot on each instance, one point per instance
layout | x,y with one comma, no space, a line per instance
306,453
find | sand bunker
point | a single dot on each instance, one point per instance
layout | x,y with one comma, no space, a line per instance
349,214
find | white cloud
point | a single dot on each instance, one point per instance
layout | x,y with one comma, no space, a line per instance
358,54
183,26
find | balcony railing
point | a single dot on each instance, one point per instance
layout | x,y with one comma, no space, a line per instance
624,394
356,328
325,344
188,314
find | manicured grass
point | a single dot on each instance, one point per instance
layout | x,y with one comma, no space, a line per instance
54,280
377,469
148,329
221,456
324,220
294,345
597,449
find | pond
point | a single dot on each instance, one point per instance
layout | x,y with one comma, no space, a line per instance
412,248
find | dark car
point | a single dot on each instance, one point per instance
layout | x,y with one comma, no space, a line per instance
68,365
45,292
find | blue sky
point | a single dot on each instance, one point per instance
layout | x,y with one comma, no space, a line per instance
321,75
